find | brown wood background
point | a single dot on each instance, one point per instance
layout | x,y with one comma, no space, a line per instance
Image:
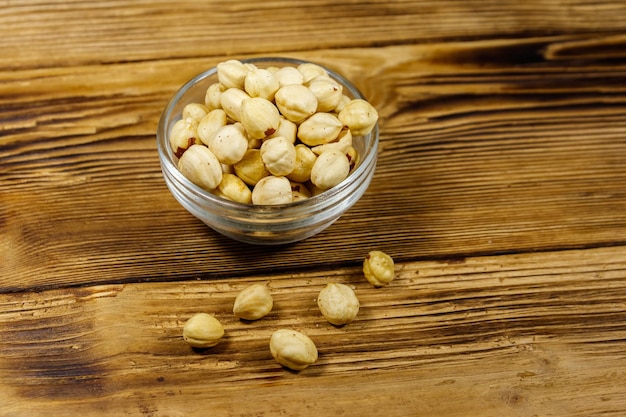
500,192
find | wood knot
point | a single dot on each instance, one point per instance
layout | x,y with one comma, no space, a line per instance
512,398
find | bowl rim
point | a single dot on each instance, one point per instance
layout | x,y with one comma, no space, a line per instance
166,154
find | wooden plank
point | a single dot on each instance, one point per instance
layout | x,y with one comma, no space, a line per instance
477,156
499,162
51,34
516,335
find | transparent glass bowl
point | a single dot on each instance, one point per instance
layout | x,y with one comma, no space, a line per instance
269,224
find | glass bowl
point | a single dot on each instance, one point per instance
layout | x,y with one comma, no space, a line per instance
263,224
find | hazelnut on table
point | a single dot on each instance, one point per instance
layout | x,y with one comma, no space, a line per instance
293,349
378,268
338,303
203,330
253,302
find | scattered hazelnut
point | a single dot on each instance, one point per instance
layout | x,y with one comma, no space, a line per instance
203,330
293,349
338,303
378,268
253,302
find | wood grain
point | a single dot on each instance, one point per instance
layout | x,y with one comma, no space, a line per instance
474,159
40,34
499,192
489,334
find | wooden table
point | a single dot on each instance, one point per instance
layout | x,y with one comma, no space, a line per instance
500,192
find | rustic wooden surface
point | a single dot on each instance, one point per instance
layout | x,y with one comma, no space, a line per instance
500,191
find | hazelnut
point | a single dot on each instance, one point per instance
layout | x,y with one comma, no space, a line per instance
195,111
212,96
329,169
253,302
229,144
260,117
233,188
232,73
203,330
293,349
201,167
310,71
296,102
305,158
338,303
360,116
261,83
299,191
327,91
319,129
342,103
289,76
251,168
343,144
378,268
279,156
272,190
231,100
183,135
286,129
210,124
